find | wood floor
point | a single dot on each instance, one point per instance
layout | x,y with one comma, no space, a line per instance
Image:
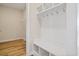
13,48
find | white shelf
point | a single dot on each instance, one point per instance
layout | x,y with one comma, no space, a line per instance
35,53
42,51
40,46
49,8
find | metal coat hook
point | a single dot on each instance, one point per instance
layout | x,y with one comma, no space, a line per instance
64,10
57,12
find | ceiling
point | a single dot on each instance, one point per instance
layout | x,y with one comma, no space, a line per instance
20,6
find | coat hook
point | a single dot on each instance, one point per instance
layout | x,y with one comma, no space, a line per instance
57,12
64,10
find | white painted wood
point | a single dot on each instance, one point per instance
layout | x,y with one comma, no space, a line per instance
71,31
55,32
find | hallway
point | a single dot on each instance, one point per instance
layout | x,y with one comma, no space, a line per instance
13,48
12,29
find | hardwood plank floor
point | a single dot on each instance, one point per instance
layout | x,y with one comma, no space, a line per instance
13,48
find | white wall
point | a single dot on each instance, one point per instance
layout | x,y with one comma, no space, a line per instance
71,34
78,29
11,21
23,24
32,26
67,44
